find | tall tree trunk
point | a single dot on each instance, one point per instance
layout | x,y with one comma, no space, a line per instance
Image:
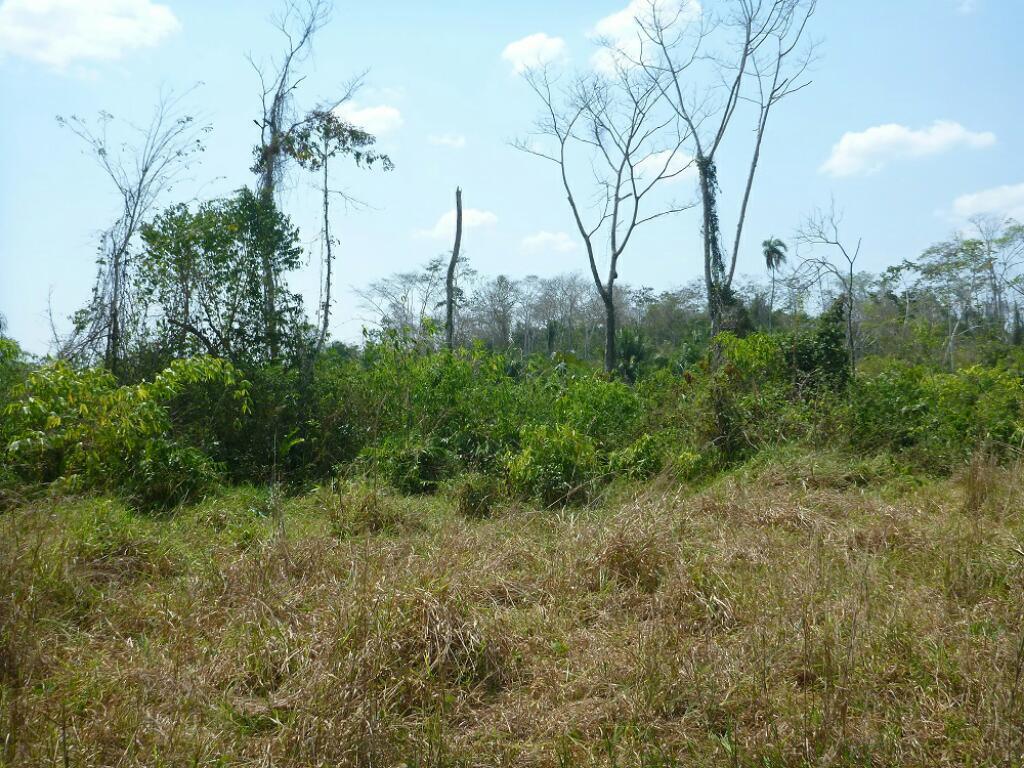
267,203
449,285
114,323
325,306
849,321
714,268
771,302
609,331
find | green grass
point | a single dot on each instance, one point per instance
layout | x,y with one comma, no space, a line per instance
806,609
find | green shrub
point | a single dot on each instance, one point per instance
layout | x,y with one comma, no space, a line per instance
360,508
694,467
410,464
476,494
555,465
167,474
936,419
12,371
639,460
82,431
605,411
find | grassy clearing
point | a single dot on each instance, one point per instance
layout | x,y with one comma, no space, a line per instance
804,610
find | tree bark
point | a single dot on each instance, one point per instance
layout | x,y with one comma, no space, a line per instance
849,320
609,332
449,285
712,245
267,269
113,351
328,260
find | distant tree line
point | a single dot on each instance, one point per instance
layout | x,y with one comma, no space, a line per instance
212,276
950,306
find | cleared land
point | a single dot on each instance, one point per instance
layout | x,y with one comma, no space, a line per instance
800,611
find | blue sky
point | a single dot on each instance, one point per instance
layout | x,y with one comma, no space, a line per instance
913,122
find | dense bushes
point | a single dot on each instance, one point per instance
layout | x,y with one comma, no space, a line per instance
549,431
556,464
81,431
937,419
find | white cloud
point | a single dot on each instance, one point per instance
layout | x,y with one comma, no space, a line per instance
548,242
966,6
1006,201
535,50
620,35
450,140
868,151
62,32
472,218
680,164
377,120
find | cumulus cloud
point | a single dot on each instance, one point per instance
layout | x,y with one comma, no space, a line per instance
444,229
378,120
450,140
678,167
549,242
535,50
619,33
859,154
59,33
1006,201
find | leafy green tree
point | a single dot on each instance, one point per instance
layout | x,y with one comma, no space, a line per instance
321,137
202,276
955,275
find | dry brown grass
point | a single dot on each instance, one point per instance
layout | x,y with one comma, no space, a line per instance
793,615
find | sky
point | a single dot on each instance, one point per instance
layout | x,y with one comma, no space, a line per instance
912,123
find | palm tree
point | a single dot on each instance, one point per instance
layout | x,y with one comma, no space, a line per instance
774,256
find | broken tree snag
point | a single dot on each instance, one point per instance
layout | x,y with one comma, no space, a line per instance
449,286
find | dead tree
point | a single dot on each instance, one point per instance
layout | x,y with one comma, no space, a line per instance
822,229
298,23
610,144
449,285
140,170
751,55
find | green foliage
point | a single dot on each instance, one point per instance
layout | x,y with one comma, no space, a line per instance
410,464
555,430
12,368
639,460
819,359
692,466
937,419
764,389
79,430
476,494
203,275
322,136
605,411
555,465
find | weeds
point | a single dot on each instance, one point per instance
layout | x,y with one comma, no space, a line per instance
764,621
